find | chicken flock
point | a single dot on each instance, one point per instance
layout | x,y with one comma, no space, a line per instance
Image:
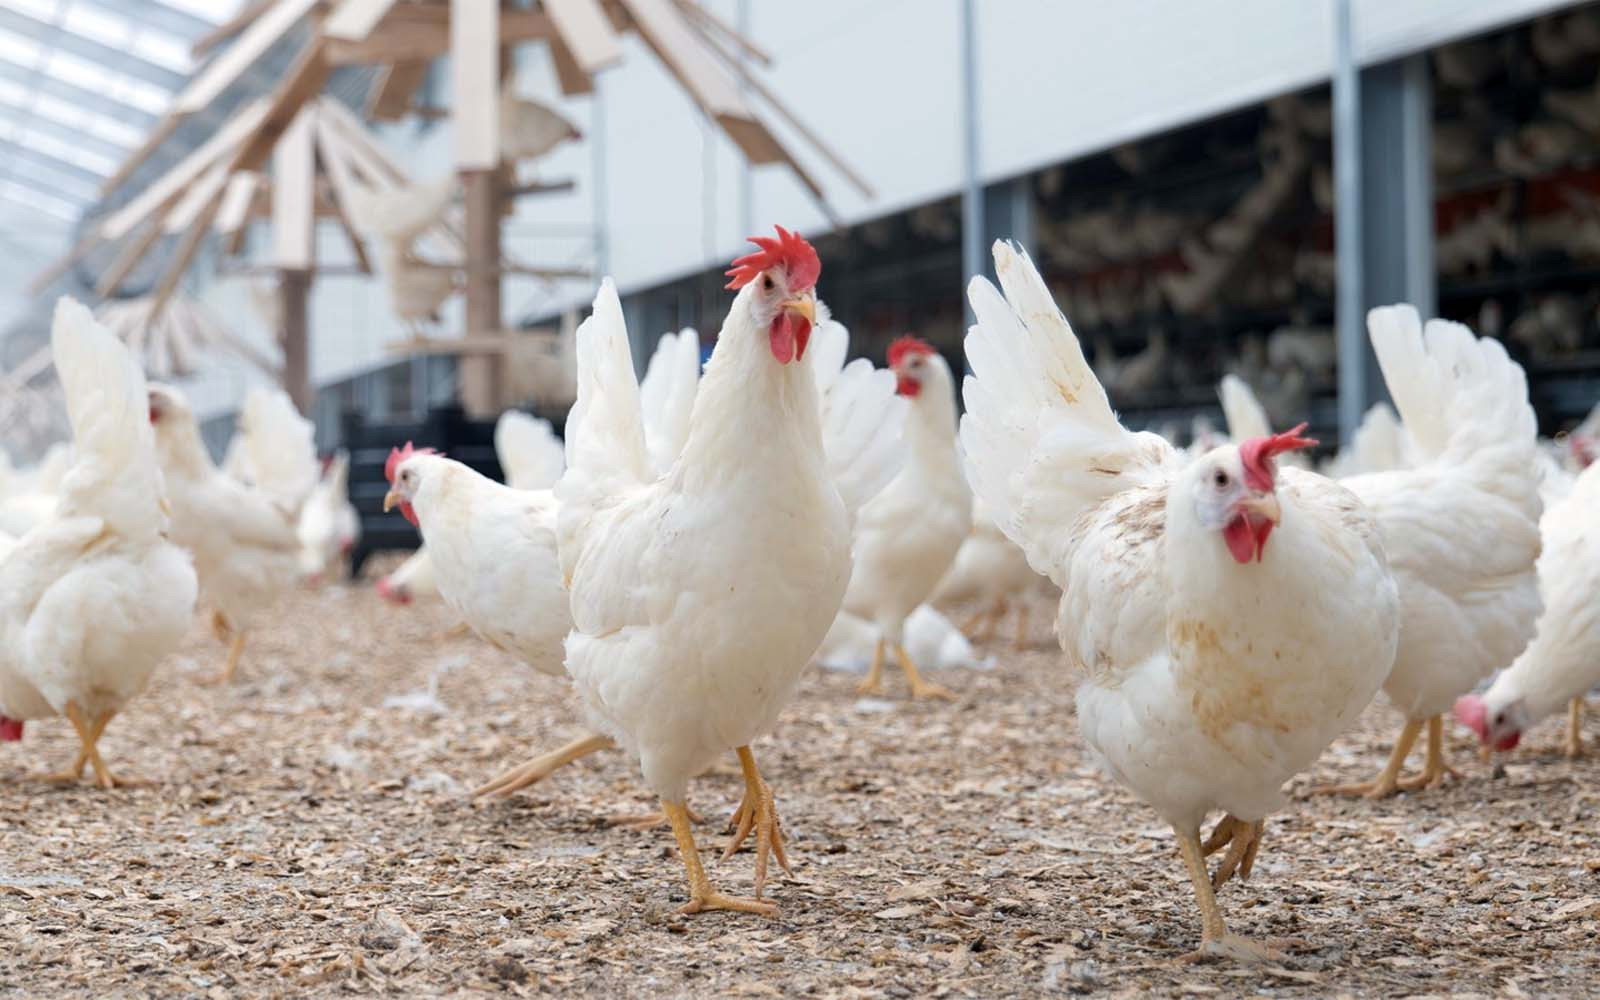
702,535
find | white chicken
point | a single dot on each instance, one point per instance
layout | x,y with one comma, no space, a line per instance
329,526
1213,665
909,534
1379,444
410,580
93,599
1563,661
1461,527
989,570
491,548
699,596
242,537
277,453
529,129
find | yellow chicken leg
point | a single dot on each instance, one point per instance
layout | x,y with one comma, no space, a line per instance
701,896
1574,746
757,812
75,772
235,651
1215,941
919,687
873,682
89,732
1242,840
541,767
1387,782
1020,642
1436,768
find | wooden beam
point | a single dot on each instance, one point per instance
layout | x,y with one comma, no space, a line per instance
299,84
227,29
187,247
537,187
715,28
237,202
171,184
128,257
478,382
354,20
767,94
475,83
403,41
586,33
164,127
569,75
294,287
687,56
342,179
183,212
393,89
90,239
294,194
224,71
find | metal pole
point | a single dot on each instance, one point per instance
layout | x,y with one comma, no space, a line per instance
972,227
747,205
1348,313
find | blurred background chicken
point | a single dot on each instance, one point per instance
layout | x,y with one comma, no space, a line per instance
1205,684
242,537
1562,662
991,573
1461,528
328,527
909,534
95,597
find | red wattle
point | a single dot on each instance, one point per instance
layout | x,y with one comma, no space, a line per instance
905,385
1241,540
410,514
10,730
788,336
1471,712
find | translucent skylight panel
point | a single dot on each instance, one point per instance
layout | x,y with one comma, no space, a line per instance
42,10
97,24
39,200
53,178
49,145
215,11
82,73
163,50
19,50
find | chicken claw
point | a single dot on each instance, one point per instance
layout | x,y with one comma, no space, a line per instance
758,812
701,896
1386,783
1436,769
1242,841
873,682
541,767
919,687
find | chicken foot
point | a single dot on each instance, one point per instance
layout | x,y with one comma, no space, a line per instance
873,682
701,896
919,687
1436,768
231,667
986,620
541,767
757,812
89,732
1215,941
1242,841
75,772
1574,744
1387,783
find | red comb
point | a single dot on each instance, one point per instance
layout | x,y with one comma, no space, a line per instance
908,345
789,249
1257,455
398,455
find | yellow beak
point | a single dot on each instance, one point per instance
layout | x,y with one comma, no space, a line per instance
391,500
1264,505
805,305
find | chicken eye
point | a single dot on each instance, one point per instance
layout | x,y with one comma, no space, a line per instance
767,282
1499,718
1220,479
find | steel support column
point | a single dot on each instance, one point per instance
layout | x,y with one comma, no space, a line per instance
972,224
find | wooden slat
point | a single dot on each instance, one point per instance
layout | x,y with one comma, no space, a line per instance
127,258
392,91
237,201
331,153
361,151
573,80
294,194
398,40
688,57
227,29
187,207
718,29
254,41
767,94
171,184
299,84
187,247
586,32
163,128
354,20
90,239
475,83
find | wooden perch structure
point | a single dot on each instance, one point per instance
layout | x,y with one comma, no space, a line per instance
294,157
